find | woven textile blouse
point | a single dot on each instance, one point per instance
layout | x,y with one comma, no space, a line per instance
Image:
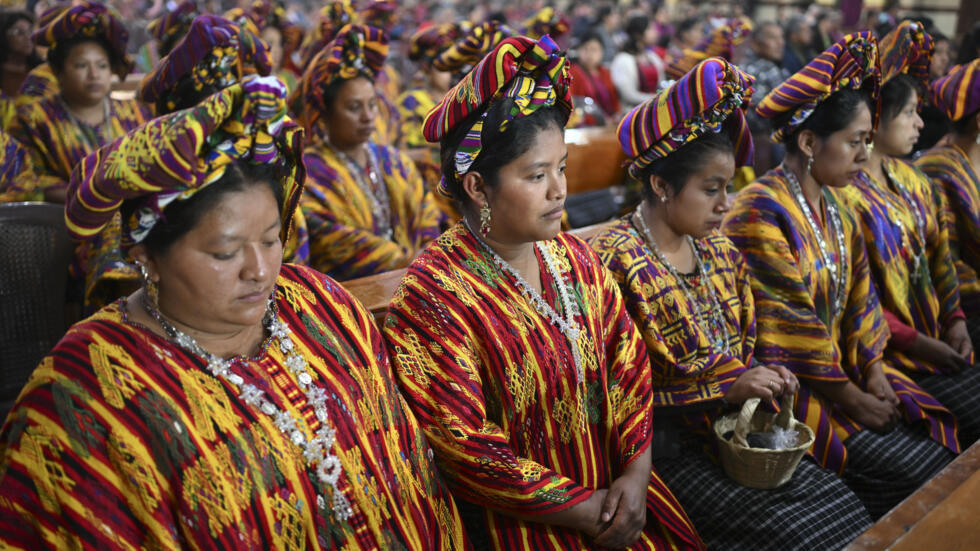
345,240
16,171
493,384
958,184
123,440
687,369
793,293
924,299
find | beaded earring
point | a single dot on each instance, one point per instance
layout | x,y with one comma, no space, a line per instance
152,292
485,219
809,163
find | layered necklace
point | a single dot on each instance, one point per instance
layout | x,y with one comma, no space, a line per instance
718,328
317,452
919,262
568,326
372,187
89,133
837,272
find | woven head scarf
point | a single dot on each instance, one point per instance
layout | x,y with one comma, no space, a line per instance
431,41
532,73
545,22
168,28
333,17
851,63
720,43
174,156
906,49
712,97
91,20
478,41
958,93
267,13
379,13
214,53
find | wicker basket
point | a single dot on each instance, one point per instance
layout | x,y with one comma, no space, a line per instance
757,467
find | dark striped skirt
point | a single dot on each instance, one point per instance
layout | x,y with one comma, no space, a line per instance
814,510
960,393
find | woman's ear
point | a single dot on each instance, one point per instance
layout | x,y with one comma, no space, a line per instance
475,188
141,255
807,143
660,187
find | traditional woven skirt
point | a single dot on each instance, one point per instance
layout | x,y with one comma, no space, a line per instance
883,469
960,393
814,510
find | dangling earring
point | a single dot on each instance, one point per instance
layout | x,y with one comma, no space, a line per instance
150,288
663,198
809,163
485,219
978,139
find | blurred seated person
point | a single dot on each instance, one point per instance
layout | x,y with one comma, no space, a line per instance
764,62
799,36
592,86
638,69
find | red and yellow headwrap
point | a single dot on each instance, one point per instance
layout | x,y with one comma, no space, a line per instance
431,41
906,49
958,93
214,53
532,73
478,41
168,28
334,16
720,43
174,156
356,51
712,97
545,22
91,20
851,63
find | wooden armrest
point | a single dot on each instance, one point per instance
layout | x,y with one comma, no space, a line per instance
375,291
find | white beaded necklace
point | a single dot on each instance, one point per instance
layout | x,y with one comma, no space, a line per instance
720,339
836,272
318,451
376,191
568,326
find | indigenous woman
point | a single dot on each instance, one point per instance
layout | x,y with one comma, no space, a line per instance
638,70
215,54
955,169
86,46
365,204
232,402
591,82
687,288
817,312
40,82
720,43
908,251
16,171
17,57
511,341
166,30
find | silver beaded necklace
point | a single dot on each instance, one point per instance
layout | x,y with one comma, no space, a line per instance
833,215
720,335
568,326
893,207
318,451
374,189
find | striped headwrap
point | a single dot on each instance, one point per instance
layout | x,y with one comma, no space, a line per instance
711,97
168,28
174,156
720,43
214,53
91,20
958,93
378,13
545,22
478,41
267,13
355,51
431,41
334,16
532,73
906,49
851,63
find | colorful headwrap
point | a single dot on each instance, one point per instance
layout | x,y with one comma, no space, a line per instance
173,157
379,13
720,43
215,53
712,97
168,28
852,63
958,93
545,22
333,17
89,19
356,51
533,73
478,41
431,41
906,49
266,13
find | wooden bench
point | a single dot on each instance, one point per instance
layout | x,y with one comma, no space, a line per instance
594,159
943,514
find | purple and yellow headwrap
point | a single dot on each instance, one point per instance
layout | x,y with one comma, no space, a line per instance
720,43
378,13
545,22
356,51
478,41
333,17
906,49
167,28
266,13
958,93
532,73
214,53
712,97
93,20
431,41
174,156
852,63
